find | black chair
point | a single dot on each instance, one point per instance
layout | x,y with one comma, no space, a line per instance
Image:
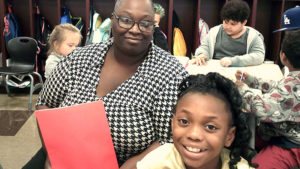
22,52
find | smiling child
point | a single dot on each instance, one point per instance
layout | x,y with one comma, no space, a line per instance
209,128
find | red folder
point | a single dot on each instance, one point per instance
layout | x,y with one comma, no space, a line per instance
77,137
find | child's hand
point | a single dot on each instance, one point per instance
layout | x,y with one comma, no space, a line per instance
225,62
199,60
241,76
239,83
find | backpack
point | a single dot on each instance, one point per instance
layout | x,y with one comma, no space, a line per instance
68,18
100,30
89,31
101,33
42,34
160,39
12,26
179,45
203,31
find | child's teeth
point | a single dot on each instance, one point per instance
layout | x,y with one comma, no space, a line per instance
196,150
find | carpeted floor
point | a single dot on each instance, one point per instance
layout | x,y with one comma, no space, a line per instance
12,120
19,137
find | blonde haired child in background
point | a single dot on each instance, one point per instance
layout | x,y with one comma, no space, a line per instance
209,128
63,40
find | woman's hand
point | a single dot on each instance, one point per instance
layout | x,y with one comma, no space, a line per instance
131,162
47,163
41,107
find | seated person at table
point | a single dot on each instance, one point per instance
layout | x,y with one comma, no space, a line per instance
136,80
290,20
232,42
159,38
209,128
277,109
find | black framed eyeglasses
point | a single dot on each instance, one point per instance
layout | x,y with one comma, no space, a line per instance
127,23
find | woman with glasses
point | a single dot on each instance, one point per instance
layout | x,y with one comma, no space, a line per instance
136,80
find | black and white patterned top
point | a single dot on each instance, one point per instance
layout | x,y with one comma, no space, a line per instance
138,111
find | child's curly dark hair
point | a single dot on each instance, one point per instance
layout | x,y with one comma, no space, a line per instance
291,47
236,10
223,88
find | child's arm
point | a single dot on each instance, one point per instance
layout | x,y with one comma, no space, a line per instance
256,83
255,55
278,105
51,63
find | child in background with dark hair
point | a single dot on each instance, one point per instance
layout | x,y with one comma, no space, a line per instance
290,20
233,43
62,41
277,109
209,128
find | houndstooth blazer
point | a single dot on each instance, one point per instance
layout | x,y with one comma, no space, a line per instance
139,110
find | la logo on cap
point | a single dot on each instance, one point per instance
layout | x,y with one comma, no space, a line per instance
286,20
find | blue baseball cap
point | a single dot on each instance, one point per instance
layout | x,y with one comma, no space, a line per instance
290,19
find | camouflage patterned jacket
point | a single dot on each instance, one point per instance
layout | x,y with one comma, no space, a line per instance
277,107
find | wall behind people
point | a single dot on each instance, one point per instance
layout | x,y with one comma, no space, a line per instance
263,17
268,19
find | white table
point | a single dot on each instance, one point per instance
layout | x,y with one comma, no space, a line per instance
267,71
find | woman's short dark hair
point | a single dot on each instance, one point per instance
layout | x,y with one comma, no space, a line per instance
118,2
224,89
236,10
291,47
